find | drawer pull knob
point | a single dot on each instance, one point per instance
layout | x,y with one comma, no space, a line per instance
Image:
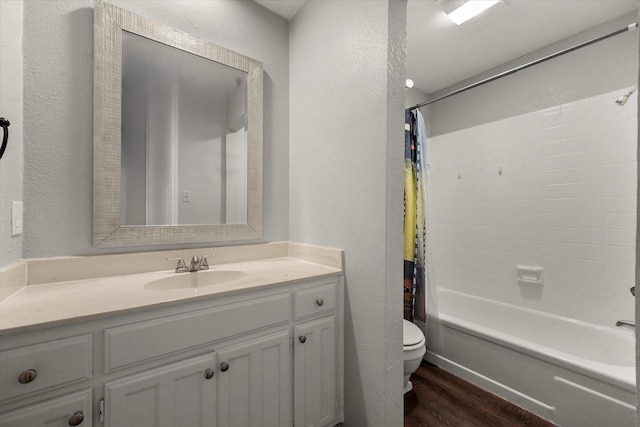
302,339
76,419
319,302
27,376
208,374
224,366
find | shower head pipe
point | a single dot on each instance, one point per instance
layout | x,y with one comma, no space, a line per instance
624,98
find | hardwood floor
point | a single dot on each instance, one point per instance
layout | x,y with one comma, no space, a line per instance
440,399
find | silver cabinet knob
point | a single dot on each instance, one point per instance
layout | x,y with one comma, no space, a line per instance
27,376
302,339
224,366
319,302
209,373
76,419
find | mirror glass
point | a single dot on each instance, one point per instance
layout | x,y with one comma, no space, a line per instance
177,140
184,137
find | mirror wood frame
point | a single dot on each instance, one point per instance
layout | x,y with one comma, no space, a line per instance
108,231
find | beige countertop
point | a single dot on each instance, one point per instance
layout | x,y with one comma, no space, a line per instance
53,304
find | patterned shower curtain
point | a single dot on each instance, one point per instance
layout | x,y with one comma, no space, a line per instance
414,218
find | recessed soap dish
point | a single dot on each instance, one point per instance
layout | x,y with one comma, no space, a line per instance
530,275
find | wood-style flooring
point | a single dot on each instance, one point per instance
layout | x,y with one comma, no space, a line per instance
440,399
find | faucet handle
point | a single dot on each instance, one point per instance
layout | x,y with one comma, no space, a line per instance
181,265
204,265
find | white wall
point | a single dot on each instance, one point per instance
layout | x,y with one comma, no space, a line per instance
347,96
201,171
565,200
11,104
58,93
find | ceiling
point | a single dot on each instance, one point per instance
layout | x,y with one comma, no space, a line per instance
440,53
285,8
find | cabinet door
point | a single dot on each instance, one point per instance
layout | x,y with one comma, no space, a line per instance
315,372
254,382
177,395
70,410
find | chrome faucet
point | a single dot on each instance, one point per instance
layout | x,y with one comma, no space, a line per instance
629,323
197,264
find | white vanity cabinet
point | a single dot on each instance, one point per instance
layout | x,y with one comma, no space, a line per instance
315,361
42,368
176,395
69,410
315,372
254,382
265,357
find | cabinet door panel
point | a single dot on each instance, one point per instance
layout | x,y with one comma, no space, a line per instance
52,413
255,389
171,396
315,372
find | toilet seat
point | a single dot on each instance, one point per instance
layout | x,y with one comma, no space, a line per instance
413,351
412,336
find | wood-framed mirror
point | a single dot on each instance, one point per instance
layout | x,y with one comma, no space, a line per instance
177,139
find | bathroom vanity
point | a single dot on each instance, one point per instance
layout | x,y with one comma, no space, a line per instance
264,347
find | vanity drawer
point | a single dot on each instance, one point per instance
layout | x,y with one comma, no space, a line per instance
315,300
38,367
137,342
63,411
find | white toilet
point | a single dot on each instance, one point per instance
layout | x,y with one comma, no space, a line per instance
413,350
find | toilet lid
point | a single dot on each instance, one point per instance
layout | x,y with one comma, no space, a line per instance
411,334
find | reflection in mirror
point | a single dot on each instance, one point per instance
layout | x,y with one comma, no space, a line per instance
184,137
177,136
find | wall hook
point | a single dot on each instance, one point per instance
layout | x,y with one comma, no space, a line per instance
5,128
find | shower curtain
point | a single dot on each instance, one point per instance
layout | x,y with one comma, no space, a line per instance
414,217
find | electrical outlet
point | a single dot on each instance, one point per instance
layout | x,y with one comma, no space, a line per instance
16,218
186,196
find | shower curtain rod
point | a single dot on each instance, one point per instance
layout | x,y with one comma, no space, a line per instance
528,64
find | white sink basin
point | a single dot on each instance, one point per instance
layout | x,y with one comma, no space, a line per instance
195,280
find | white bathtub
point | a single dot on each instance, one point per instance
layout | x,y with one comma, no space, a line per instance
567,371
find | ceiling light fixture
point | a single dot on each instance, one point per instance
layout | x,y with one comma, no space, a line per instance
469,9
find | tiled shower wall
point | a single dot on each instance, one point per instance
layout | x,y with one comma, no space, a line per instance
554,189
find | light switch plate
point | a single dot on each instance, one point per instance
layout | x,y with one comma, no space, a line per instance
16,218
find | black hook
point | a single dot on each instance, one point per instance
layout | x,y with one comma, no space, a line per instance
4,123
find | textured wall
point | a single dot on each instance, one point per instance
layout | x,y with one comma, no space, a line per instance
11,165
554,189
58,93
347,95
